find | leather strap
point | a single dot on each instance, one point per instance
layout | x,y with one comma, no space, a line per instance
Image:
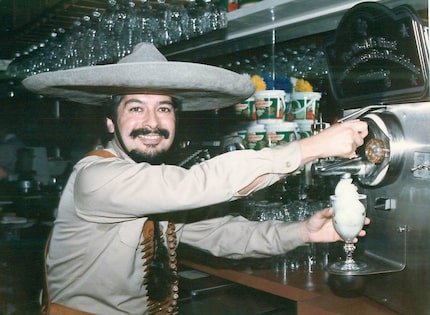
57,309
170,304
102,153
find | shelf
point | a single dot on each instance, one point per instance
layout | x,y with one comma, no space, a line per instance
258,24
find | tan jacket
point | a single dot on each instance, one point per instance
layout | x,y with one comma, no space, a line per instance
94,262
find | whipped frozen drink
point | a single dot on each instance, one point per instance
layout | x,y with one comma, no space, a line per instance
349,211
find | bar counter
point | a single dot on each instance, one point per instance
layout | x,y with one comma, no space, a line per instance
310,290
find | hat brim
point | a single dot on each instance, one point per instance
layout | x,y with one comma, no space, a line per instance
199,86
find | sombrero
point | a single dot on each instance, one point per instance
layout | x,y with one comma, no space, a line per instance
146,70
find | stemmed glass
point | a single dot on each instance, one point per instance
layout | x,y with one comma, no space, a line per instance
214,17
163,33
176,19
348,221
146,23
105,33
194,21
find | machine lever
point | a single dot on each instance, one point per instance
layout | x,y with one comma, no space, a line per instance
360,112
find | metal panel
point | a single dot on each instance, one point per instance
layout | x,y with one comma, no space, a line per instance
400,230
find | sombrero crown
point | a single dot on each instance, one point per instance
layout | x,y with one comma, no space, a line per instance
146,70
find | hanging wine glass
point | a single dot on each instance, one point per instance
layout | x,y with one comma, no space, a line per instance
54,60
145,24
222,15
131,22
84,43
37,58
92,34
123,31
194,23
213,16
13,67
163,33
176,18
105,37
69,49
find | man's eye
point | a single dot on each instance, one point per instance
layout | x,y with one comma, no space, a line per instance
135,109
166,109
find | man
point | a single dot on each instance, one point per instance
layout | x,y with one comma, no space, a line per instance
95,255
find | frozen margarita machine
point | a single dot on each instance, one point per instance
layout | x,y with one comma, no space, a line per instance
378,67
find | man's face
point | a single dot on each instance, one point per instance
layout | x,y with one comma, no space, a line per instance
145,127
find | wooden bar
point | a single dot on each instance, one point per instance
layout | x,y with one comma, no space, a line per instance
309,290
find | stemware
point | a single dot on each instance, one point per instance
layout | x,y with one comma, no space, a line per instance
106,31
213,17
176,19
163,37
348,221
194,25
126,19
146,23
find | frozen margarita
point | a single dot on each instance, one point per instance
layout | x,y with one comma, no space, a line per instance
349,211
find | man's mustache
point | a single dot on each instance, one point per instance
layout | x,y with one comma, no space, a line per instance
146,131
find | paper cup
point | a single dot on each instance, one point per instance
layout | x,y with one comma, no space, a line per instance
270,104
281,133
305,128
256,137
246,109
305,105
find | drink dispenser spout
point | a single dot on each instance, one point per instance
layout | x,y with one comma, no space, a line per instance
329,167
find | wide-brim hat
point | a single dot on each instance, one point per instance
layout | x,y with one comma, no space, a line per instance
146,70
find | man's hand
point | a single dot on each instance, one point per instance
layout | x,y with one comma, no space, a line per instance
340,140
319,228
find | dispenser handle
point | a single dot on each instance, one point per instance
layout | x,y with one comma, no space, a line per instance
360,112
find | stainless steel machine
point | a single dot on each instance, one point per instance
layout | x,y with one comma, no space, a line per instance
393,170
378,65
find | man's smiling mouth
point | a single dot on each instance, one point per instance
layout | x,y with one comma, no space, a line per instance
146,133
150,136
150,140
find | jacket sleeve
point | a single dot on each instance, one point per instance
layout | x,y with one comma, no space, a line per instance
236,237
114,189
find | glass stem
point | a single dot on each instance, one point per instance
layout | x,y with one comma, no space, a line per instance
349,250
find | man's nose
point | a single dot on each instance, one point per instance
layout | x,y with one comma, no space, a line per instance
151,119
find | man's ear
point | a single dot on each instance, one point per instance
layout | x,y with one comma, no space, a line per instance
110,125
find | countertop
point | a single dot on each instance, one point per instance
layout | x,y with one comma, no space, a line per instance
310,290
